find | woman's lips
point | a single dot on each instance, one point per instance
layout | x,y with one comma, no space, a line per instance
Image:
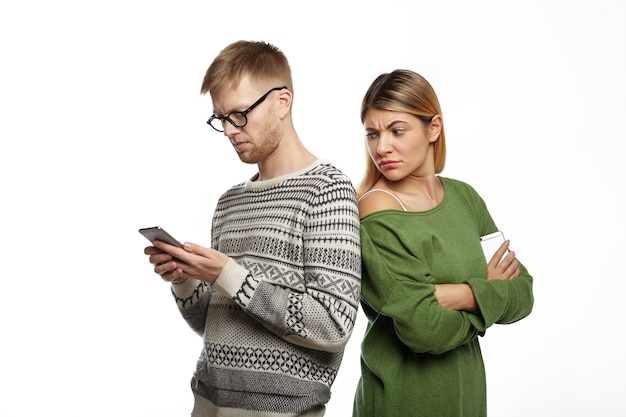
388,164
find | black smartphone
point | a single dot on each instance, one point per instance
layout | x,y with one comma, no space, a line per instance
158,233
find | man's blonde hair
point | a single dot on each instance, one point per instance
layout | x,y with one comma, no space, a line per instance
261,61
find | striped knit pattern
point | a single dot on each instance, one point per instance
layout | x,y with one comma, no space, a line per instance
276,342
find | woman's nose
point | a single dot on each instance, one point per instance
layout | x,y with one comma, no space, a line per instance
384,145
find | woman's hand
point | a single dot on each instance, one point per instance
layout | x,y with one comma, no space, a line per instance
456,297
507,268
460,296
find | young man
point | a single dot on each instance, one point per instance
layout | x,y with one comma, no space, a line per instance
275,297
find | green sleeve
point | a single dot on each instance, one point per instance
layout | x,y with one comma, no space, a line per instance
504,301
397,284
500,301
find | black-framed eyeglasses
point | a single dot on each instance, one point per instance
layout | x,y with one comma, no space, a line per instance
237,118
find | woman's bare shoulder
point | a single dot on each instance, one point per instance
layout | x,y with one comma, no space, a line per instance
378,199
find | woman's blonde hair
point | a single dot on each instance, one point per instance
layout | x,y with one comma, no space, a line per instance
402,91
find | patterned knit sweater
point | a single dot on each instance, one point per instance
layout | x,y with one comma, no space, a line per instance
277,319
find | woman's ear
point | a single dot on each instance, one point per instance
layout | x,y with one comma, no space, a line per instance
434,129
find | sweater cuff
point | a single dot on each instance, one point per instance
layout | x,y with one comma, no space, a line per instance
186,289
491,298
231,278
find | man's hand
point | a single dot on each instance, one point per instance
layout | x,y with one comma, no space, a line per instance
165,265
177,265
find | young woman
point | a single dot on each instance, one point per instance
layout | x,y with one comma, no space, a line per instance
427,290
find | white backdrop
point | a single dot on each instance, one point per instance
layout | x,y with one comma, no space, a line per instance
103,132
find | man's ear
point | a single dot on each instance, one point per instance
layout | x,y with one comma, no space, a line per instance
434,129
286,99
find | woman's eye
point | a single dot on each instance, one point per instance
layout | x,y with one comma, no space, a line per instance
398,131
371,135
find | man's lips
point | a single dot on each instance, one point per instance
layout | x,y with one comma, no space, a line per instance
239,145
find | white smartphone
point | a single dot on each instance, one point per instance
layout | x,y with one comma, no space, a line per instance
491,243
158,233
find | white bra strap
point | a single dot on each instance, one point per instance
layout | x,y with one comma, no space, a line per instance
384,191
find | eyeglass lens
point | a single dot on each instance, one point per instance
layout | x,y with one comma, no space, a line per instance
237,119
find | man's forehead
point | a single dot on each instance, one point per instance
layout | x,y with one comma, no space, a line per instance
236,97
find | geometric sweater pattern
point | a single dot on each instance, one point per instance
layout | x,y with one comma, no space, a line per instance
276,321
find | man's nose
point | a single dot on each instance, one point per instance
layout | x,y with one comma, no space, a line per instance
230,129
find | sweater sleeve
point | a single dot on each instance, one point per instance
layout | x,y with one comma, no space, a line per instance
504,301
317,306
499,301
192,298
397,284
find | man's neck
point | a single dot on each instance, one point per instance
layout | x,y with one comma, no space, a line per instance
279,165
